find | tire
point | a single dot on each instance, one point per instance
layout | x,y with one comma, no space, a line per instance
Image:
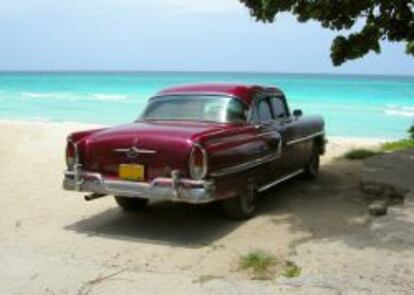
243,206
131,204
311,170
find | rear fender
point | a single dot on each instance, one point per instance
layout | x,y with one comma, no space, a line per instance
79,135
76,139
238,153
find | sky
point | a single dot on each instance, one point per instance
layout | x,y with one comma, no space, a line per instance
171,35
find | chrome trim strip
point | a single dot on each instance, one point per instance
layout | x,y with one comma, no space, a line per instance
246,165
280,180
139,151
305,138
77,168
190,93
236,138
199,93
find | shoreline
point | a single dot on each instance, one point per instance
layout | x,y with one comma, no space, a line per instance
50,123
56,133
356,139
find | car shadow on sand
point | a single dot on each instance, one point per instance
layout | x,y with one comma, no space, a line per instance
160,223
329,208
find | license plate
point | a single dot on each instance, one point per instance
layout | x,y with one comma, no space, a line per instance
131,172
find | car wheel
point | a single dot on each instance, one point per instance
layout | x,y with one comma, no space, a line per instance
243,206
131,204
311,170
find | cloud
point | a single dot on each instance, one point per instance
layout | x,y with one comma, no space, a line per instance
202,6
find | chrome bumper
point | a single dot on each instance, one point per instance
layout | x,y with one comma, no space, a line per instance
171,189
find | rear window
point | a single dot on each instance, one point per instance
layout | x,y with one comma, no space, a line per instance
213,108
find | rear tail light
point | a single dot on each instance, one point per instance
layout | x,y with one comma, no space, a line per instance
198,162
70,155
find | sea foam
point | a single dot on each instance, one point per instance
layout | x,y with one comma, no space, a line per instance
37,94
109,97
75,96
404,111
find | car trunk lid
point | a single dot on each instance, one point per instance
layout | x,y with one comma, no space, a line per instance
160,146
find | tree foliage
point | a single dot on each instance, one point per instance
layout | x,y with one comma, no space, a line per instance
391,20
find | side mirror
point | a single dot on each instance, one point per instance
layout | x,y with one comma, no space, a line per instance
297,113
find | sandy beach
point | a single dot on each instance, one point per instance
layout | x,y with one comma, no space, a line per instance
53,242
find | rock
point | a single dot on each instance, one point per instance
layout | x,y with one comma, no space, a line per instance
378,208
395,195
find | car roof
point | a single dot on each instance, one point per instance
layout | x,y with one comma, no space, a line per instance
243,92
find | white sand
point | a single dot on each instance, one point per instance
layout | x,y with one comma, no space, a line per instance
53,242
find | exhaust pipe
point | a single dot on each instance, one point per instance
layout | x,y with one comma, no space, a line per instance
92,197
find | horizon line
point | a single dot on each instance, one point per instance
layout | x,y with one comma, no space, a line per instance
83,71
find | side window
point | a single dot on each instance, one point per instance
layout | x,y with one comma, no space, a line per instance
263,110
236,112
278,107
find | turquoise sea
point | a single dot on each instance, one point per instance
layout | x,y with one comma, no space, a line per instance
353,106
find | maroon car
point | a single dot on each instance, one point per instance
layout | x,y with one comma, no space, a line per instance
198,144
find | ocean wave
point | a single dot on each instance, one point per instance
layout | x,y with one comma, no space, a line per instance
75,96
54,96
109,97
403,111
37,94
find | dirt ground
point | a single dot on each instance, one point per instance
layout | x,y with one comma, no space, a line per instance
53,242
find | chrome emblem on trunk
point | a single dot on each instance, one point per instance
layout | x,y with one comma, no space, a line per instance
134,152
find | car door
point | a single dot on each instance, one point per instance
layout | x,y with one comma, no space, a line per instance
285,123
264,120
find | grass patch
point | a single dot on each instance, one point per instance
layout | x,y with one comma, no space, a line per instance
393,146
265,266
291,270
360,154
398,145
259,262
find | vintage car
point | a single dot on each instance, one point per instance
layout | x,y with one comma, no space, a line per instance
198,144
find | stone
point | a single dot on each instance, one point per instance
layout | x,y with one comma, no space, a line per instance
395,195
378,208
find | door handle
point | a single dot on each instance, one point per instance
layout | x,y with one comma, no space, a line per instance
262,125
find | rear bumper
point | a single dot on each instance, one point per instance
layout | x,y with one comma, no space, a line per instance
171,189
